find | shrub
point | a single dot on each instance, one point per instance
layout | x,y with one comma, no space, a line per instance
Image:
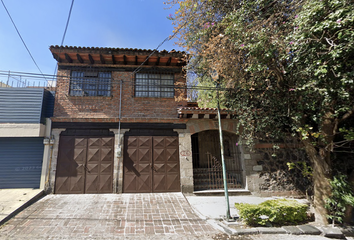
342,195
273,212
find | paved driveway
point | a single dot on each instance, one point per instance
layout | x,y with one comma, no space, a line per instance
108,216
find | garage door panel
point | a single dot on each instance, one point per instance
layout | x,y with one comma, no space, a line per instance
159,142
144,155
160,183
106,184
106,169
156,158
106,154
144,168
173,182
159,155
79,142
80,172
94,142
159,168
144,142
171,142
172,168
93,155
130,183
92,183
144,183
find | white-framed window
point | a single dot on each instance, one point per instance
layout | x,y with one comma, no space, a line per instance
159,85
90,83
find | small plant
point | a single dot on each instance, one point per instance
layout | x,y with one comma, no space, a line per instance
273,212
342,196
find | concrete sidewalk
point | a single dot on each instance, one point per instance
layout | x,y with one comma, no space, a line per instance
12,201
214,207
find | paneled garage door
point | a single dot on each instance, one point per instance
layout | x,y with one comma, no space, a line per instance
151,164
85,165
21,162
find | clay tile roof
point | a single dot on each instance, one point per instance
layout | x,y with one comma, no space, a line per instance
199,110
173,51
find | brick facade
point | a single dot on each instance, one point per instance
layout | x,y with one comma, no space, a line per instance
106,109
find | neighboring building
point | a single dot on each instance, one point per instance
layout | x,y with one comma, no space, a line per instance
122,123
24,136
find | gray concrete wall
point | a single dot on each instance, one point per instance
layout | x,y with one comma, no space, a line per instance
186,163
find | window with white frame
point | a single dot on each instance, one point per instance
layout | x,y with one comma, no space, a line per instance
90,83
154,85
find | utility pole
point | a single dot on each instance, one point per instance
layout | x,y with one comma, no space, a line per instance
215,76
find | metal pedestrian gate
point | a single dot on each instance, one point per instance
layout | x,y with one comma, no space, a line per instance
85,165
151,164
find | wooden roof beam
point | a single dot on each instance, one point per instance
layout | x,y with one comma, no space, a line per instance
91,59
79,58
102,59
136,60
169,61
147,61
113,59
68,58
157,61
56,57
125,60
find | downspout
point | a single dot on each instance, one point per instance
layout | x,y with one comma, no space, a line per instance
119,147
119,153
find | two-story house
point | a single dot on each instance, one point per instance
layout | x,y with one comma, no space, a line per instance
122,123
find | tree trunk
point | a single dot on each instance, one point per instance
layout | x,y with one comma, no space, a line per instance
321,178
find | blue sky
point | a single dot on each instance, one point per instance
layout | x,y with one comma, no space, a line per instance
93,23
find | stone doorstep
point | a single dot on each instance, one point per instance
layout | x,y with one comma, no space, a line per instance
328,231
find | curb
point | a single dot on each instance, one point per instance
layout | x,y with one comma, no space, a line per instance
326,231
26,204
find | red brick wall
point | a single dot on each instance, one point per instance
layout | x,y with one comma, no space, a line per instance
107,108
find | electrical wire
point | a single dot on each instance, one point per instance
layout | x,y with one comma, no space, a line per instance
18,32
67,23
66,28
165,40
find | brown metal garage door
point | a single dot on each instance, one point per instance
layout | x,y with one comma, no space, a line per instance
151,164
85,165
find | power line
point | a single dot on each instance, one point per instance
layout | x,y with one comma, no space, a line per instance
8,13
67,23
66,28
165,40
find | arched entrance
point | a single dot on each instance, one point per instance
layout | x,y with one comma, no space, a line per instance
207,167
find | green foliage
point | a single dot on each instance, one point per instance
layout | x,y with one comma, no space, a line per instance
273,212
207,98
342,196
305,169
348,133
288,66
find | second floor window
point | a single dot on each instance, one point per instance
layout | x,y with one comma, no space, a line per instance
154,85
96,83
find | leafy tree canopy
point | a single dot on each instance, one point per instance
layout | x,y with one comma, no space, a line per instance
289,66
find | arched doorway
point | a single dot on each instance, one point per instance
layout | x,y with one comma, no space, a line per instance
207,167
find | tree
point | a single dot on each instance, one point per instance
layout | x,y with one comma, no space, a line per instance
289,66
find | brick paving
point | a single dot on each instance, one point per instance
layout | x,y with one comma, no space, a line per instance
108,216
